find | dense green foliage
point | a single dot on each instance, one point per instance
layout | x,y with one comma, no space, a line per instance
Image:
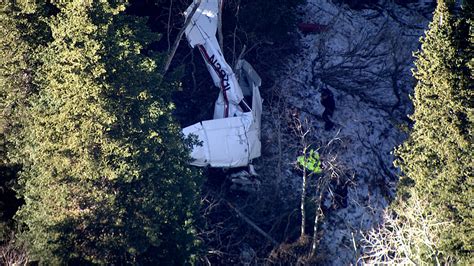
87,118
11,68
23,32
438,157
104,168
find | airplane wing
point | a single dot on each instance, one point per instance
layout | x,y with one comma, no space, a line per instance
232,141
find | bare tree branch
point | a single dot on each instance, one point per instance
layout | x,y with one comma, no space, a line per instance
172,52
219,26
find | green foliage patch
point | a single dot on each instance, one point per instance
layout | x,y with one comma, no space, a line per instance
438,157
311,162
105,173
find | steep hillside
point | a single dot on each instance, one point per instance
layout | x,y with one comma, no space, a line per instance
349,85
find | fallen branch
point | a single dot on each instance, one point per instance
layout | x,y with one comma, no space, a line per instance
252,224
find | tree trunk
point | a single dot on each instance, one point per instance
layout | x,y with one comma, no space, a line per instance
322,185
303,196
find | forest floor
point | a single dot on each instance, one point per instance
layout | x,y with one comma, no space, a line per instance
348,86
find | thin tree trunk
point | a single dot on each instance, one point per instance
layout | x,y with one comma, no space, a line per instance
303,196
315,228
323,184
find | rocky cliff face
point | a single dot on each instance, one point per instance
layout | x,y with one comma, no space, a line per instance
349,85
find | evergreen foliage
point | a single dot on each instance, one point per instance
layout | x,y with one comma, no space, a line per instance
10,79
105,176
24,31
437,159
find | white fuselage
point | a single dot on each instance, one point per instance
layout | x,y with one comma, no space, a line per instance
232,138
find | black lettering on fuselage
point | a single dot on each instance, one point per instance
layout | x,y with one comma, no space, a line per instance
220,72
212,60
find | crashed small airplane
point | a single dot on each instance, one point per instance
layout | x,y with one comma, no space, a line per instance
232,138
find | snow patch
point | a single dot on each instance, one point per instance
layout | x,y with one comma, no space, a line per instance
365,60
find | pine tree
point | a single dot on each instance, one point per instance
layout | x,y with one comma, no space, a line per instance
11,66
437,159
23,30
105,175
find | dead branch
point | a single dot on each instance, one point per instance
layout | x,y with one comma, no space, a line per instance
13,253
252,224
403,239
168,29
219,26
333,170
178,38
